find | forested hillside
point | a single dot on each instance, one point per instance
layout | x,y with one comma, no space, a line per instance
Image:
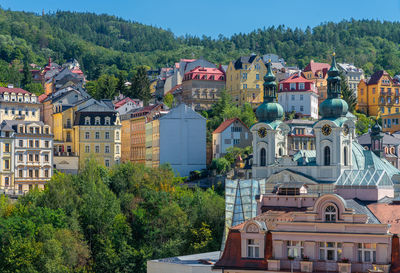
107,44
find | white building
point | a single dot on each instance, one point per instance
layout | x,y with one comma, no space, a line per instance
297,94
352,74
183,140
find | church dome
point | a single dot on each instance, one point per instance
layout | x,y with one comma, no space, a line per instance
333,107
269,112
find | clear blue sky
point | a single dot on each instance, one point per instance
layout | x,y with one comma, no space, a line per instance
213,17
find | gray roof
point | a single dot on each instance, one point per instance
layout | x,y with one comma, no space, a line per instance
360,207
388,139
192,260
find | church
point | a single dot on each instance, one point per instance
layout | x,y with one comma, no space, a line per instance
334,208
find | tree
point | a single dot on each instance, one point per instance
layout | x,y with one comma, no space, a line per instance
363,123
140,88
121,88
168,100
347,94
27,75
222,165
35,88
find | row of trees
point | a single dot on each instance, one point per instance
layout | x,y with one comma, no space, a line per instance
107,45
108,220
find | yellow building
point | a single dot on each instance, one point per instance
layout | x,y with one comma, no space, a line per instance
153,144
318,73
244,80
379,94
390,123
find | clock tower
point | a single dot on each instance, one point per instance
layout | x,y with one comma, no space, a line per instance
334,133
269,133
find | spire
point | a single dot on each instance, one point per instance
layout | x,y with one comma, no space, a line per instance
333,106
333,80
377,139
269,110
269,84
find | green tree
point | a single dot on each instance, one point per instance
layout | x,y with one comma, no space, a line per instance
35,88
27,75
168,100
348,95
221,165
140,88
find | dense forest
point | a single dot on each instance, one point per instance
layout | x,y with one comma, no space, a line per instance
106,44
108,220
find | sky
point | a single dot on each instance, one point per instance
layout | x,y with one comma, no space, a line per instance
226,17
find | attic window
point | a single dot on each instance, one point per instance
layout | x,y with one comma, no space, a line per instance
97,121
107,121
87,120
330,213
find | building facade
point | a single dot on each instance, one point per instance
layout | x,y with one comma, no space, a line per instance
352,74
380,94
244,80
318,73
231,133
299,95
201,87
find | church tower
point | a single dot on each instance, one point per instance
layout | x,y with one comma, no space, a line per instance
269,133
334,133
377,139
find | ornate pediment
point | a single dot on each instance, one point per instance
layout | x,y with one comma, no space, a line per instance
287,176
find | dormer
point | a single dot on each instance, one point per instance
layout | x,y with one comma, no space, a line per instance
87,120
97,121
26,98
6,96
253,239
33,98
107,121
13,97
20,97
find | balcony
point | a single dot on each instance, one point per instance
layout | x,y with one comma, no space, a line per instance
65,154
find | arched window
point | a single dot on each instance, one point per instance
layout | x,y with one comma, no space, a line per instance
280,152
330,213
345,156
262,157
327,156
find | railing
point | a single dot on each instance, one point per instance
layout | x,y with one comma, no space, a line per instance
64,154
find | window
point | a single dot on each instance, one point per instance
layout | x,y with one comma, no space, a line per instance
345,156
107,135
36,173
253,249
30,173
7,164
292,86
97,149
367,252
262,157
46,173
97,121
46,131
244,86
301,108
97,135
301,97
46,144
293,108
46,158
330,213
87,149
37,143
117,135
36,157
87,120
293,97
295,249
20,143
301,86
87,135
6,147
327,156
20,157
330,251
236,141
6,181
107,149
107,163
20,173
117,149
33,113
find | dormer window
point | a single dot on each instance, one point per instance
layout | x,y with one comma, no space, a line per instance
97,121
253,249
107,121
330,213
87,120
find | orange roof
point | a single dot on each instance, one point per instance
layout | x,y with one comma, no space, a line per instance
296,78
123,101
173,89
387,214
42,97
226,124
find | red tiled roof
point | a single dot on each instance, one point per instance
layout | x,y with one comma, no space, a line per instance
387,214
226,124
173,89
77,71
13,90
205,73
42,97
295,78
314,67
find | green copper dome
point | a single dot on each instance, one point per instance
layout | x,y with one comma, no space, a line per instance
376,130
269,110
333,106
